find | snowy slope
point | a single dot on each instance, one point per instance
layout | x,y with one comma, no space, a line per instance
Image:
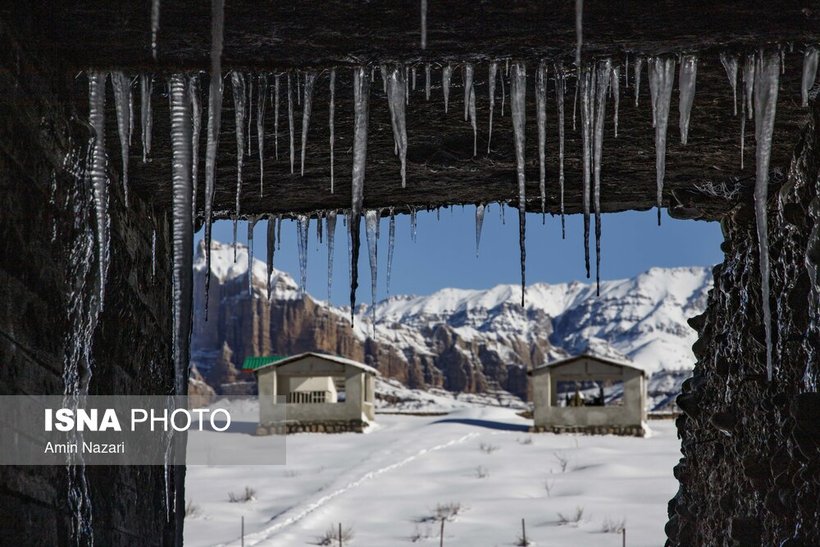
386,485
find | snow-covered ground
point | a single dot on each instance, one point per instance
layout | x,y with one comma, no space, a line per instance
386,485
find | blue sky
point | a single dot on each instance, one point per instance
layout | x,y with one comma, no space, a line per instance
444,253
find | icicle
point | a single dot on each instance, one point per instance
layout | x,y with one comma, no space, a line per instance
603,78
290,124
541,119
653,89
423,24
560,90
122,104
214,122
99,176
479,222
299,88
154,27
332,126
307,107
518,91
279,232
686,84
586,81
575,99
319,229
427,81
491,85
383,72
196,113
413,224
413,72
183,231
742,125
146,85
729,63
276,115
371,230
579,30
626,71
749,84
661,78
446,75
766,84
302,231
616,94
331,237
361,114
396,87
809,73
391,244
251,225
238,82
638,69
261,97
271,248
469,103
406,87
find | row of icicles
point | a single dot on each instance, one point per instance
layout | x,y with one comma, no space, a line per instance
596,83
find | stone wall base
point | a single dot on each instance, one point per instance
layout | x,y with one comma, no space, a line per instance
625,430
323,426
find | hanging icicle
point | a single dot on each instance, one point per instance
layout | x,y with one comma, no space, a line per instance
809,73
446,76
493,72
518,103
686,86
99,177
270,243
586,80
615,87
423,24
541,119
638,70
603,78
302,231
361,115
332,127
196,114
371,219
469,103
330,218
413,224
729,63
261,99
147,117
396,88
307,107
479,222
560,91
122,103
249,113
749,84
183,231
766,85
239,96
251,225
391,245
214,122
661,78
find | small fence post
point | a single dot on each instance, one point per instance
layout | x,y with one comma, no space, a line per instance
623,536
441,536
242,530
340,534
523,533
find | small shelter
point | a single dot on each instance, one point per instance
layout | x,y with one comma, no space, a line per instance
315,392
589,394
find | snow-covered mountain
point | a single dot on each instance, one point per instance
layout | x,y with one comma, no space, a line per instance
460,340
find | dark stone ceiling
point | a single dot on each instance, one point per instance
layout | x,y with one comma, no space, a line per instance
275,36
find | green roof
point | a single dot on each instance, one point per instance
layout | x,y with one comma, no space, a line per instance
253,363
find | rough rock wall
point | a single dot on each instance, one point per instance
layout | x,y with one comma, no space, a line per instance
131,351
750,472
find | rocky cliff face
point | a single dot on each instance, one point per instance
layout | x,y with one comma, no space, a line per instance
750,474
460,340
